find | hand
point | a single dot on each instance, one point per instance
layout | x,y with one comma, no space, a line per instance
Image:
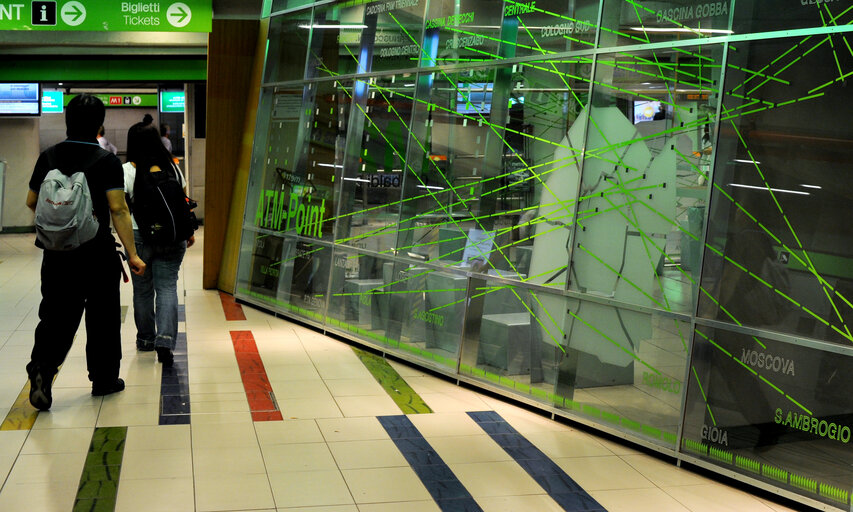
137,266
191,241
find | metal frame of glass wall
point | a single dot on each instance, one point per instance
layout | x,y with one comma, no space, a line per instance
631,214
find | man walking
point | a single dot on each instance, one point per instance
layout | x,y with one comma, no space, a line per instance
85,278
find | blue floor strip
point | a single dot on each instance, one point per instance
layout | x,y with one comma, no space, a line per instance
182,313
447,491
559,486
175,387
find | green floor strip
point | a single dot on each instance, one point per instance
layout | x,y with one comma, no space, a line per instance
98,487
403,395
123,313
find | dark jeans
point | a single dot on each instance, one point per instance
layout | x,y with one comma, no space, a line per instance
85,279
155,294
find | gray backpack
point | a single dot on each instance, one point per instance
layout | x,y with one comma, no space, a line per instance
65,217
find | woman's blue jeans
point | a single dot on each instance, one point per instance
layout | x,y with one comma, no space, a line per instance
155,294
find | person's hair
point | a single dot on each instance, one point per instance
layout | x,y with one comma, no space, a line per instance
101,131
164,129
84,115
147,119
145,149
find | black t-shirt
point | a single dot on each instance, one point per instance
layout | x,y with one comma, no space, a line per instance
106,174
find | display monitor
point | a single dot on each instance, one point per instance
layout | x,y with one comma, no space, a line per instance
647,111
479,97
20,99
52,102
172,101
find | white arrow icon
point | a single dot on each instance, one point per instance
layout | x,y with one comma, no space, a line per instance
73,13
179,14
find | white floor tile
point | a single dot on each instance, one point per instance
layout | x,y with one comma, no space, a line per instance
309,489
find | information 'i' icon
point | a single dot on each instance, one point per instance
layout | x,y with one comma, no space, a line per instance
44,13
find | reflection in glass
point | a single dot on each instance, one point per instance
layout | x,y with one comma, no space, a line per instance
288,47
776,411
631,23
375,163
777,254
644,186
548,26
765,15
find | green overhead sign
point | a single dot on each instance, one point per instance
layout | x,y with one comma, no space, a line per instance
110,16
122,100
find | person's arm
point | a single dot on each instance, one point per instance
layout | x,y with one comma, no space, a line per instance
32,198
121,220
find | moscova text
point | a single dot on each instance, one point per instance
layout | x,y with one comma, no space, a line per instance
768,361
814,426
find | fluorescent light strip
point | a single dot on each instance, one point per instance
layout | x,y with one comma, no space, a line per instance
740,161
331,165
433,187
342,27
694,30
810,186
782,190
357,179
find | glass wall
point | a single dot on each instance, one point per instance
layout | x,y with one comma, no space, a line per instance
633,214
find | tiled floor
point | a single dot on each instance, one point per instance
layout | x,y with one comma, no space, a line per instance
330,452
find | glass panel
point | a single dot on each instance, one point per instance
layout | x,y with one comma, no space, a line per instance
766,16
425,310
514,338
287,47
548,26
775,411
625,368
358,302
310,204
261,254
629,22
644,185
280,5
779,255
373,172
485,179
462,31
336,48
394,33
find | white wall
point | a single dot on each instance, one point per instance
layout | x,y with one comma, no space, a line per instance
19,147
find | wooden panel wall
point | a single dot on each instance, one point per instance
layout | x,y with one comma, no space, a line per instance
232,52
234,228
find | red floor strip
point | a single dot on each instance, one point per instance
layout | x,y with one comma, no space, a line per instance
233,311
262,402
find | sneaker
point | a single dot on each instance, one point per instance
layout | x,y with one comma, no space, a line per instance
165,356
144,346
106,388
40,396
